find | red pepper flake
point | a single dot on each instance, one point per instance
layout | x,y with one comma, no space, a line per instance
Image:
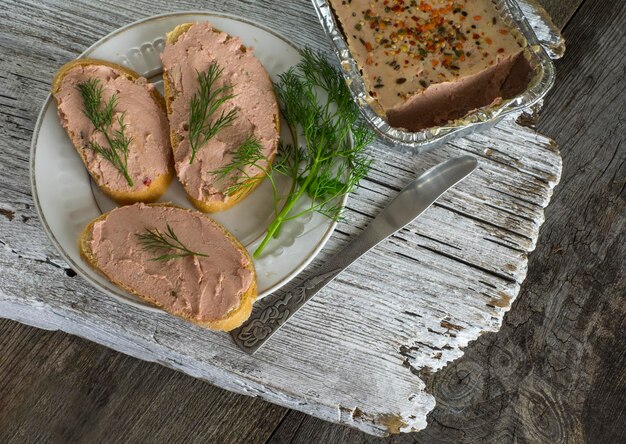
435,62
147,182
504,31
489,41
500,50
477,18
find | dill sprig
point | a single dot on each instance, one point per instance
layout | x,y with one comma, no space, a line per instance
154,240
204,105
246,158
325,159
101,116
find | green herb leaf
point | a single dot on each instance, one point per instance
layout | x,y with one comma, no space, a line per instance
247,156
328,162
204,105
101,116
154,240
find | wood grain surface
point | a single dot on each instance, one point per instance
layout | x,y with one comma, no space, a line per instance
354,354
532,381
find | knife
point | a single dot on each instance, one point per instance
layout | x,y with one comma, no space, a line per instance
274,311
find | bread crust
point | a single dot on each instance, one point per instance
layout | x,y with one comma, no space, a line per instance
159,184
233,318
215,205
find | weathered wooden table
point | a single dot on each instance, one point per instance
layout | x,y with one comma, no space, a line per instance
552,373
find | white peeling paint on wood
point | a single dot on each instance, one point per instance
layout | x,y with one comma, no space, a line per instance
353,354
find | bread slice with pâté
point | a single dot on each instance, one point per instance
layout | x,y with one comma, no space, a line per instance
117,122
202,67
174,258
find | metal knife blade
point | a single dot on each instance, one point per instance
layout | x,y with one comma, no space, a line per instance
274,311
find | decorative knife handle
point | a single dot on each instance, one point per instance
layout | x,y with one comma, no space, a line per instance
274,311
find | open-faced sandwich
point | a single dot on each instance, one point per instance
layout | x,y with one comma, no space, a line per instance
118,124
174,258
220,104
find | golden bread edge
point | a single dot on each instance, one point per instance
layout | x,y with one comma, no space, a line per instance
160,183
209,206
233,318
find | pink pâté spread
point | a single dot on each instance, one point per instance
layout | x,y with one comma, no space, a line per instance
146,123
202,288
254,101
426,62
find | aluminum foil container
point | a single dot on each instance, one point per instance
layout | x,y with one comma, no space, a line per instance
511,13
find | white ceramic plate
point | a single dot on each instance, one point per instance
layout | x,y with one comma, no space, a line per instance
67,199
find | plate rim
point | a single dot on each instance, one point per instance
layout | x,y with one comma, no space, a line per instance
127,297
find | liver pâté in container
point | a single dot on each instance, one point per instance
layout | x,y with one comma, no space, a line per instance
424,71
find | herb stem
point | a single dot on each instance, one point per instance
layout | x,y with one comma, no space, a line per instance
274,229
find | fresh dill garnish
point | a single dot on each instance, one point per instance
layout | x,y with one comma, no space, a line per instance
325,159
154,240
101,116
245,158
204,105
